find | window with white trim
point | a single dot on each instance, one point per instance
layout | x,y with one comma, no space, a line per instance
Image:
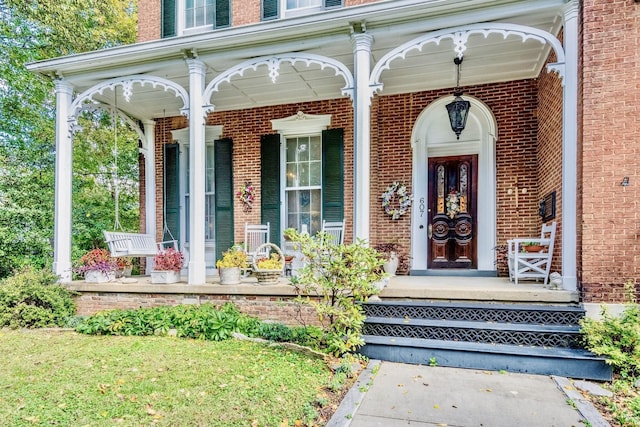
303,183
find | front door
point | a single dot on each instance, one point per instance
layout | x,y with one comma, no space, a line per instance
452,212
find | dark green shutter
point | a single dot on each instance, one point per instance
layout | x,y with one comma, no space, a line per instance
168,20
223,169
332,3
269,9
223,13
171,192
270,184
332,175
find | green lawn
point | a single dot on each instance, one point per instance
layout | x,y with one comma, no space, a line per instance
62,378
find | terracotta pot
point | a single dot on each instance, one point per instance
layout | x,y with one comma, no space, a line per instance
533,248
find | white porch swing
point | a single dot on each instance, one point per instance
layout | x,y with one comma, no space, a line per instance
126,244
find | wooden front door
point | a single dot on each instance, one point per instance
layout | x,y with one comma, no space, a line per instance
452,212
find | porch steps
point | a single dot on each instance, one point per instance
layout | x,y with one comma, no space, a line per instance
526,338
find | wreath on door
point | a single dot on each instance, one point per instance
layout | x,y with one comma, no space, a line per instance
396,200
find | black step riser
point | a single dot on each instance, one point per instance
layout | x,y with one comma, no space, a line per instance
568,339
480,313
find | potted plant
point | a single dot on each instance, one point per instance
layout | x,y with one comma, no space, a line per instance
125,266
166,266
97,266
393,258
531,247
267,270
231,265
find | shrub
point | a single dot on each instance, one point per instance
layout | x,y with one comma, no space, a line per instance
617,337
342,276
32,299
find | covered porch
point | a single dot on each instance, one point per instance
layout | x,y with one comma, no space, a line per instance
383,75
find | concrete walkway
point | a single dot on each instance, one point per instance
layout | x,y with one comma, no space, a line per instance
394,394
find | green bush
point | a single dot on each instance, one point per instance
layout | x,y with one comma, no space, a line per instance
617,338
32,299
334,281
308,336
204,321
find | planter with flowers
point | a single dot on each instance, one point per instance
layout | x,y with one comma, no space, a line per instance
268,270
97,266
166,266
231,265
125,266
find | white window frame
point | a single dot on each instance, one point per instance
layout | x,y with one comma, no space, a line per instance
298,11
182,21
298,125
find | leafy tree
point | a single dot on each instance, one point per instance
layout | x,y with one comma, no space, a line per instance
33,30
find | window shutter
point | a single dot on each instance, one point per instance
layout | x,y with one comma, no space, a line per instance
171,192
223,169
332,175
332,3
269,9
270,184
223,13
168,18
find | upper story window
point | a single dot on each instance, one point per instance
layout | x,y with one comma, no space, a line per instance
181,17
273,9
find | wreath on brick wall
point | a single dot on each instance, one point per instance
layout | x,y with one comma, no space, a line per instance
396,200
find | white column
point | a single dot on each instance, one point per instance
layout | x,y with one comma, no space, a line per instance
197,267
63,177
570,148
149,152
362,134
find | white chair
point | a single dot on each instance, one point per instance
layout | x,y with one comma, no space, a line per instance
335,230
255,235
532,265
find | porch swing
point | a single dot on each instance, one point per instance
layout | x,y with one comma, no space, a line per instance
127,244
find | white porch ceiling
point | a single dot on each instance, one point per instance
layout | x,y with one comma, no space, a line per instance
486,60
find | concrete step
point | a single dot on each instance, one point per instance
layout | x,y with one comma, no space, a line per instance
573,363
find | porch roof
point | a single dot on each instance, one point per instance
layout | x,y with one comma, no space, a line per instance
492,58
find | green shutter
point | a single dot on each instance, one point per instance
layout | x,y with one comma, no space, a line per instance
168,20
223,169
270,184
269,9
332,3
171,192
332,175
223,13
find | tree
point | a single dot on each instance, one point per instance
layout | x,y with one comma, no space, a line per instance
32,30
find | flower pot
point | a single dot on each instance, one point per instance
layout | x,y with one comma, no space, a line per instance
165,277
230,276
391,265
267,277
124,272
98,277
533,248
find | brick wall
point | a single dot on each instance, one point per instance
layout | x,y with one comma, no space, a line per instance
513,104
514,107
549,152
148,20
610,148
275,308
245,127
243,12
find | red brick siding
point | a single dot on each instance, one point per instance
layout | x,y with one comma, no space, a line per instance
245,127
550,150
610,148
148,20
274,308
513,105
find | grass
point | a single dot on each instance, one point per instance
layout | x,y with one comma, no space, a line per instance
62,378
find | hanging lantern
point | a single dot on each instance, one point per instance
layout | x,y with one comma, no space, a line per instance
459,108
